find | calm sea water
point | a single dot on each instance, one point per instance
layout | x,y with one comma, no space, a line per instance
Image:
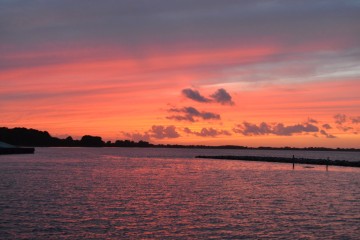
127,193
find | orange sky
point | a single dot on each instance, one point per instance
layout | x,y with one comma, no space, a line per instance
158,78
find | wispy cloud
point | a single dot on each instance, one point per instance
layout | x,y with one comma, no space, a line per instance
345,128
355,120
326,126
340,118
311,120
323,132
347,123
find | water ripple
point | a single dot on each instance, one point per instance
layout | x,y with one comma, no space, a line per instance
88,195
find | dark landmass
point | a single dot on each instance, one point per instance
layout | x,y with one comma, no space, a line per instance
294,160
6,148
36,138
22,150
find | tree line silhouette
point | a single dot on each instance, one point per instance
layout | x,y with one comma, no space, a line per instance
34,138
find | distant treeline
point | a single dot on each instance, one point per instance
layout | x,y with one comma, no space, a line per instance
36,138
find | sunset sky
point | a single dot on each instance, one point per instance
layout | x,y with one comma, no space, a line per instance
246,72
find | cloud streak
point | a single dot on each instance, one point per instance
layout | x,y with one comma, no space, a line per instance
347,123
340,118
355,120
323,132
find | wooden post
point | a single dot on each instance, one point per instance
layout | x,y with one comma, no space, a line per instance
293,161
327,164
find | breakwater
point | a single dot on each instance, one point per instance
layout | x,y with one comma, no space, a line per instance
293,160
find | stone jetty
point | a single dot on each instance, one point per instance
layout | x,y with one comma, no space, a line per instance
292,160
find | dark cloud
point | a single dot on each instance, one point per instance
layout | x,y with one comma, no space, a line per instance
207,132
344,122
340,118
161,132
249,129
281,129
345,128
326,126
195,95
323,132
137,136
155,132
347,123
192,114
222,97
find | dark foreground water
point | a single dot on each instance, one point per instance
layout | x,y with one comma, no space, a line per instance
120,193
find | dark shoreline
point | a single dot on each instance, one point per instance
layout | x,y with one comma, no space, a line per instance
16,150
34,138
326,162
